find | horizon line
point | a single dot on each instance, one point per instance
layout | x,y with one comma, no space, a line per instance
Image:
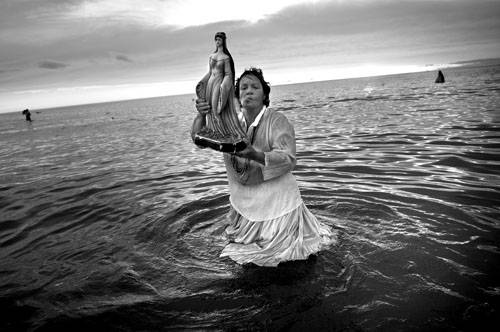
434,67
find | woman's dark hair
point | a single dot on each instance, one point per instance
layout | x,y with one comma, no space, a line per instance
257,73
222,35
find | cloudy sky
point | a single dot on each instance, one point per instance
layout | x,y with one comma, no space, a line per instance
64,52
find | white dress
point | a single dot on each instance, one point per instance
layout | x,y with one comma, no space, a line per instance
269,222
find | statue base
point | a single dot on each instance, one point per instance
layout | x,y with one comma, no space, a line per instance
219,142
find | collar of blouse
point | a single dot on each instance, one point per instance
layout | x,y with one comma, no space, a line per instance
256,121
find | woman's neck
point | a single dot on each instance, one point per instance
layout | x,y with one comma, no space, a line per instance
251,114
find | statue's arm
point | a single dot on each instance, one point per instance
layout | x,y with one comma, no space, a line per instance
225,87
207,75
205,78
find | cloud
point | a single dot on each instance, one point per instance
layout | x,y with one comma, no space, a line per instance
98,38
49,64
9,70
124,58
178,13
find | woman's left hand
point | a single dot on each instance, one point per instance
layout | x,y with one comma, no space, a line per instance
251,153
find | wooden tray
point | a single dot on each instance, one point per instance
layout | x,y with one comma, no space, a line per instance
222,145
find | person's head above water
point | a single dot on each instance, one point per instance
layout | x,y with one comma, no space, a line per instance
252,89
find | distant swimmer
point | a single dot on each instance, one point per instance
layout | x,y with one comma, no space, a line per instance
440,77
27,114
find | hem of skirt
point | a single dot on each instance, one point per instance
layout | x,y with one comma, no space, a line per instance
301,202
319,247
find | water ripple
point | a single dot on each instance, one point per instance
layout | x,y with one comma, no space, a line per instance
111,217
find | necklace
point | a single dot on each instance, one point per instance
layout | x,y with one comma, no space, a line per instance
241,171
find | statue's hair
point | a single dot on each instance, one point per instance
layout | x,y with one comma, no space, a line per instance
222,35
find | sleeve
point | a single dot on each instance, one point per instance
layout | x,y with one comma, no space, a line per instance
281,159
225,86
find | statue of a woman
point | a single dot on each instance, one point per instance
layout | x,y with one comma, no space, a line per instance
217,88
223,131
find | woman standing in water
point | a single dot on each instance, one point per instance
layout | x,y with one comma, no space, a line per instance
269,222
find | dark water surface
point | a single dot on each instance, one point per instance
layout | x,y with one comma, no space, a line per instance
111,219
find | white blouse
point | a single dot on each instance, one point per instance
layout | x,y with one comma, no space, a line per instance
271,190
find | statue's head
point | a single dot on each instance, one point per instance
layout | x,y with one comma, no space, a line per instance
220,35
220,39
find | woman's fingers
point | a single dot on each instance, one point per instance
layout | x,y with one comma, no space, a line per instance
202,106
204,109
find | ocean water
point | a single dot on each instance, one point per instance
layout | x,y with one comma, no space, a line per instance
110,218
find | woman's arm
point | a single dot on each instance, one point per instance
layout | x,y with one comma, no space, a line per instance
251,153
281,159
200,120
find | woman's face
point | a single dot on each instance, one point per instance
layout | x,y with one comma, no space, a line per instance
218,41
251,93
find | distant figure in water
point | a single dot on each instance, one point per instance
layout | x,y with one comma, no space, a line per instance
27,114
440,77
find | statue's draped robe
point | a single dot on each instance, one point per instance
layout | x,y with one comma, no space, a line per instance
220,95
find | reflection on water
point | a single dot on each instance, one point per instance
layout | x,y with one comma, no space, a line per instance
111,218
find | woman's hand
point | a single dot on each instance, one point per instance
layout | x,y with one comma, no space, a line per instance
202,106
200,120
251,153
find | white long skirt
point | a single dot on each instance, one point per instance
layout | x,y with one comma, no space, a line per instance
293,236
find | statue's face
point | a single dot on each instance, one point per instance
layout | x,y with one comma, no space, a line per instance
218,41
251,92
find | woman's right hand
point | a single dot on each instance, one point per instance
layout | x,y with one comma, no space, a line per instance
202,106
